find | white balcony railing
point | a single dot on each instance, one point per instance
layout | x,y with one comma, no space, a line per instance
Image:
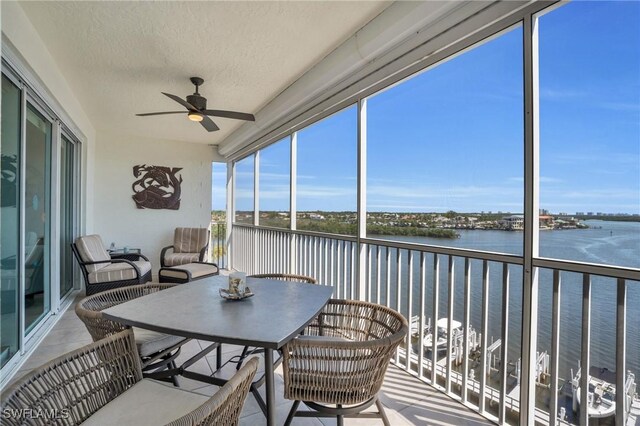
469,303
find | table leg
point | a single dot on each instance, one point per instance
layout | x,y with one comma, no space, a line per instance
270,387
219,357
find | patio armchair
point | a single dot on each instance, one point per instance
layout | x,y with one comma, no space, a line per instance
157,350
189,245
102,383
101,272
246,351
337,367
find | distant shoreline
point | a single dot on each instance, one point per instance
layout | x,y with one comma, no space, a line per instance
431,225
219,214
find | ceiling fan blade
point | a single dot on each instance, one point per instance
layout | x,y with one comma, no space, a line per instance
208,124
181,101
229,114
161,113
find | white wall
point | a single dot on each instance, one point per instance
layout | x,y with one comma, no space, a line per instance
116,217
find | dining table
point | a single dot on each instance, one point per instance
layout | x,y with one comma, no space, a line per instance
277,312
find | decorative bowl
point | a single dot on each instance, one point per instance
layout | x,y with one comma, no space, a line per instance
225,294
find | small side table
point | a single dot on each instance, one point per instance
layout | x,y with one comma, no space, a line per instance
132,254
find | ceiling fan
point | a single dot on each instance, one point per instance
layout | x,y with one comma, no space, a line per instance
196,106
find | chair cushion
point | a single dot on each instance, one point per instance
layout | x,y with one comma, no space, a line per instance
151,342
197,270
175,259
118,272
148,402
91,249
189,240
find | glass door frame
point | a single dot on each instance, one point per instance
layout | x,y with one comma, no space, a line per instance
63,132
20,257
35,103
29,94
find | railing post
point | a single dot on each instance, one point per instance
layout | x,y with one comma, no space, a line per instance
621,348
361,276
585,360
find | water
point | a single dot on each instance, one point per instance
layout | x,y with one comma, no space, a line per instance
611,243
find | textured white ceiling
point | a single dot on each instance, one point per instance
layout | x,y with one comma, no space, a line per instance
118,56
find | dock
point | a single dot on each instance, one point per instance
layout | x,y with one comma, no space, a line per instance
512,398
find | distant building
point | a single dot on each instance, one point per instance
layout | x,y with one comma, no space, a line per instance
546,221
579,213
512,223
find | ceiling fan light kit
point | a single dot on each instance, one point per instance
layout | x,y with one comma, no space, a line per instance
195,116
196,106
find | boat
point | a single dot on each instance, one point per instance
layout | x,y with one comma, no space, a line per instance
602,392
442,330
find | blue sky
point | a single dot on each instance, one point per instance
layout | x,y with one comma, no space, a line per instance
451,138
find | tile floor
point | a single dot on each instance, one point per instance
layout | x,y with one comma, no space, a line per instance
407,400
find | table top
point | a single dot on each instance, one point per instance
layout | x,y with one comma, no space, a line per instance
276,314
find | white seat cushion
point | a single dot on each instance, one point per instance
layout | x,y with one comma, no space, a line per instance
91,249
148,402
118,272
197,270
175,259
190,240
150,342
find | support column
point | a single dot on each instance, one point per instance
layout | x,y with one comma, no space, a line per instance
361,273
531,223
231,211
293,207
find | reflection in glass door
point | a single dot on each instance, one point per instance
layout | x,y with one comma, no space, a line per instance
67,214
37,229
10,214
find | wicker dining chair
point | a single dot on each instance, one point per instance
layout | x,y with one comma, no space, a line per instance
337,367
246,351
157,350
286,277
102,383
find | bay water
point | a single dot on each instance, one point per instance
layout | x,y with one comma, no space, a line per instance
605,242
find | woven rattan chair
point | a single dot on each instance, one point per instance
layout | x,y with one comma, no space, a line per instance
157,350
101,272
337,367
246,351
189,245
102,383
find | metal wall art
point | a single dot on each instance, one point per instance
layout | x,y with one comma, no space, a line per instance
157,187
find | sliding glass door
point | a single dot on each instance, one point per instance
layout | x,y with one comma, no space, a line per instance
9,228
37,216
67,213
